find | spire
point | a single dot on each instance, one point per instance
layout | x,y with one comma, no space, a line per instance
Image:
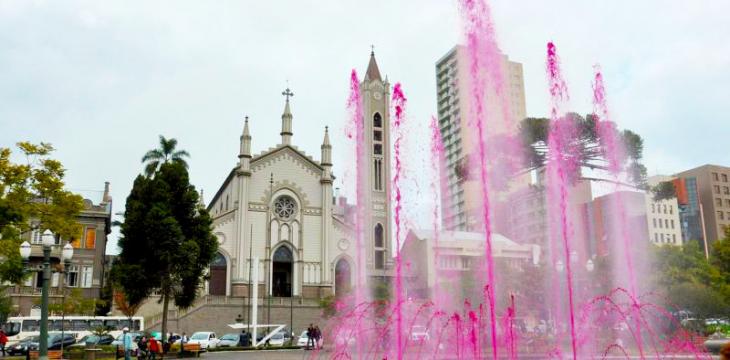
245,151
286,119
326,141
201,200
106,197
373,73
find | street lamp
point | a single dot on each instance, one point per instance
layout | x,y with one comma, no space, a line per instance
590,266
47,240
66,254
559,266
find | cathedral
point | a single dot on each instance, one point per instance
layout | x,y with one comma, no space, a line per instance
279,206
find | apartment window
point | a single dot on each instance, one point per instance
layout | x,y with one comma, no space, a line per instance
654,222
72,276
718,201
715,177
726,190
54,279
672,223
35,237
87,274
727,202
90,238
29,280
720,215
660,223
666,223
656,237
674,238
665,208
717,189
724,177
671,209
653,208
661,236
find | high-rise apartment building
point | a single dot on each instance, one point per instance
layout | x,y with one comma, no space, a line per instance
713,187
452,85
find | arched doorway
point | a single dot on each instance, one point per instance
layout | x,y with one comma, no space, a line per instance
217,282
342,277
282,272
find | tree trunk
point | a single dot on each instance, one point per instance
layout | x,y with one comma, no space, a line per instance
165,305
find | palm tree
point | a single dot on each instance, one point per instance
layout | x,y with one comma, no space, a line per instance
164,154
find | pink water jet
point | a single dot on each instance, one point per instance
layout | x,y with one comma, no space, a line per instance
561,164
399,103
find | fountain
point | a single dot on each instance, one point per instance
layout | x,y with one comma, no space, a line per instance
575,314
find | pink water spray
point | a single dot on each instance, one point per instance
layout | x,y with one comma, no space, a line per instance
561,132
399,103
357,131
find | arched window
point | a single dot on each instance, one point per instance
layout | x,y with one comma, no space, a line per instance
377,121
283,254
379,246
378,174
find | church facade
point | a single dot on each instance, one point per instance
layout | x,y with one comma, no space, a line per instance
279,206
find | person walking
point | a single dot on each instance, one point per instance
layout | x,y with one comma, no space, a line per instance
154,348
127,343
3,341
317,337
142,348
310,337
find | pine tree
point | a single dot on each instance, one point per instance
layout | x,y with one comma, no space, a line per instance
167,241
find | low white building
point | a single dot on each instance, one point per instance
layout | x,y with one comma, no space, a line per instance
662,216
426,253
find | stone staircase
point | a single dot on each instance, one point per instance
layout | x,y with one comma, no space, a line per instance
214,313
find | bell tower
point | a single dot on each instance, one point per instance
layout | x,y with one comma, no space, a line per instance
375,94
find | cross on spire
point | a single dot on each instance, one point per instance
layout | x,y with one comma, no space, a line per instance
287,93
372,49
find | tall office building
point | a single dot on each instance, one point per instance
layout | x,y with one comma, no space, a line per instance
452,85
663,216
713,187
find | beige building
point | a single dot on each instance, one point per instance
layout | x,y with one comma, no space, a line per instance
713,186
662,216
452,87
424,255
88,265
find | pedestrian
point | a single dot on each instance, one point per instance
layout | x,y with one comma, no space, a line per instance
317,337
154,348
127,343
310,337
3,341
142,348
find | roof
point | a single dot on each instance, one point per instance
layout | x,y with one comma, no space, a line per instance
462,236
373,73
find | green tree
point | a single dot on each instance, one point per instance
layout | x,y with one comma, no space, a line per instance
74,303
664,190
166,240
721,256
588,145
32,198
164,154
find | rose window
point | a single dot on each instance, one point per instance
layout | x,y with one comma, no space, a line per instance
284,207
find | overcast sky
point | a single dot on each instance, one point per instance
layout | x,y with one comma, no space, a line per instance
101,80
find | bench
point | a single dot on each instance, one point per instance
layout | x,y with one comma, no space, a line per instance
192,348
52,354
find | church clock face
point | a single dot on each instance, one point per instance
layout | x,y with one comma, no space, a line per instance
285,207
377,96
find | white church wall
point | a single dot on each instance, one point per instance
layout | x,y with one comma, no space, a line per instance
312,243
288,172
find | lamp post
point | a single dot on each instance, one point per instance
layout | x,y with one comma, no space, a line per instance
47,240
66,254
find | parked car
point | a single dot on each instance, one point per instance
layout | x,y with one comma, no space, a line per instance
277,339
92,339
229,340
419,334
21,347
304,339
135,338
206,339
55,340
